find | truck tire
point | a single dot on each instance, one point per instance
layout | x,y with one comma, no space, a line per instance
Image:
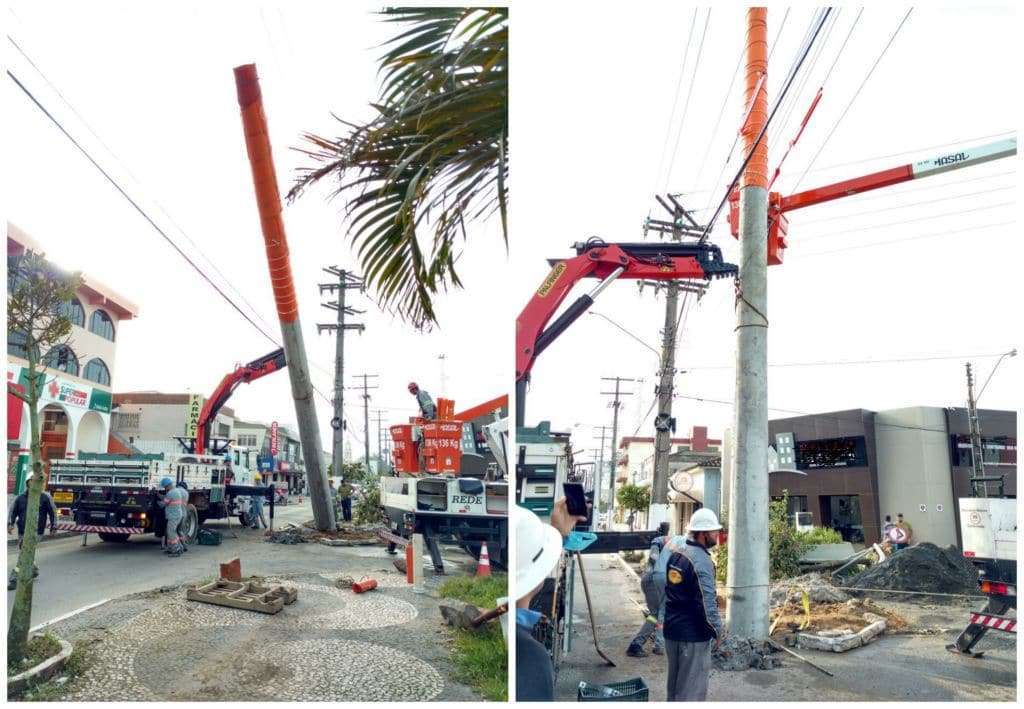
245,519
190,525
108,537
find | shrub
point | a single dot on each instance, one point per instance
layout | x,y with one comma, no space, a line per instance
367,508
820,535
785,545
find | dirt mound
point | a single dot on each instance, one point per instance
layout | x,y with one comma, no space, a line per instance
923,568
292,534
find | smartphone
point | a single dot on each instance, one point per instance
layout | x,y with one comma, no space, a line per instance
575,499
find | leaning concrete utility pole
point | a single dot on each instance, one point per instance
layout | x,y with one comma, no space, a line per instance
747,579
268,200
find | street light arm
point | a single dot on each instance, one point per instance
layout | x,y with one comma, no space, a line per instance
1011,353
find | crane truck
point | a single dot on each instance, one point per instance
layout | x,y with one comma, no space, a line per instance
450,482
115,496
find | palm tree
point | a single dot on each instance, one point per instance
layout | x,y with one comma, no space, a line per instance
434,157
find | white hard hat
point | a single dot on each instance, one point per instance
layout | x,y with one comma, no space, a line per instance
703,520
538,547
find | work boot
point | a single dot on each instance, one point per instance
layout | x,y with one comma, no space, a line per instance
658,650
636,650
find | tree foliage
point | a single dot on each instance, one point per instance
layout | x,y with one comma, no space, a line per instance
434,156
785,544
634,497
37,319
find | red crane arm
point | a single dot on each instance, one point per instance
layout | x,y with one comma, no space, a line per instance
650,261
267,364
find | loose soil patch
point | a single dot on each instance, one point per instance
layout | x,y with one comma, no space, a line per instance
835,616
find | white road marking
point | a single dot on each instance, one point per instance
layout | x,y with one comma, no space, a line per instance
68,615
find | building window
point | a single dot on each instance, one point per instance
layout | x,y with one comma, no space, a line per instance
16,345
999,450
74,312
101,324
845,452
247,439
127,421
96,371
63,359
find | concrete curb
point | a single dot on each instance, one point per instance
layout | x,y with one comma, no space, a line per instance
41,672
625,565
13,542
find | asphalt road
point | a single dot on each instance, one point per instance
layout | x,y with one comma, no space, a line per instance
72,576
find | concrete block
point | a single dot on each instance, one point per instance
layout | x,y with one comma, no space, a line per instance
843,643
458,614
231,570
871,632
837,633
873,618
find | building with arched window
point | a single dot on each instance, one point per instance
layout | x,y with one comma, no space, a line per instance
77,398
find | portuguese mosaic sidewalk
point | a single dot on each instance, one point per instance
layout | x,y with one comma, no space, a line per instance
331,645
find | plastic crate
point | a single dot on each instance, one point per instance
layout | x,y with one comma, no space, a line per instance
631,690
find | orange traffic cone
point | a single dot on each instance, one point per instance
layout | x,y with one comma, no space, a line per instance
484,567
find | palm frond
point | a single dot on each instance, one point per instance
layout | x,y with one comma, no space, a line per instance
433,157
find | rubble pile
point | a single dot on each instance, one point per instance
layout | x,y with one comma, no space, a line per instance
348,535
736,654
923,567
288,535
819,590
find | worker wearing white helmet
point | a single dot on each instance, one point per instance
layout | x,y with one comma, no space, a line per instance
538,547
256,516
690,612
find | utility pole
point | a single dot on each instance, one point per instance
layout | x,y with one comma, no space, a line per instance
444,380
979,484
346,281
599,473
380,440
664,423
616,402
275,241
747,579
366,412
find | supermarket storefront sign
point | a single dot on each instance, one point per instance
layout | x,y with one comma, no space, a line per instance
64,391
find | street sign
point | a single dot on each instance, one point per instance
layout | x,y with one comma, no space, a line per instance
273,438
195,407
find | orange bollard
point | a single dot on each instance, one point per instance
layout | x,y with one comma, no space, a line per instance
409,561
484,567
364,585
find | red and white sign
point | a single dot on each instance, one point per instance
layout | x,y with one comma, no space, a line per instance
273,438
1007,625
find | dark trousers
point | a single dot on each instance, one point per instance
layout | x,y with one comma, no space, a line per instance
346,508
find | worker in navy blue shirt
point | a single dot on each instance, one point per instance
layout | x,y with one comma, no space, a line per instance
692,622
539,546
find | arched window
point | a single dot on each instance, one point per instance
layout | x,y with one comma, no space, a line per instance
96,371
101,324
74,312
62,358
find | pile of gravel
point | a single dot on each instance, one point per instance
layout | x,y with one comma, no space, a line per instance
819,590
923,567
736,654
289,535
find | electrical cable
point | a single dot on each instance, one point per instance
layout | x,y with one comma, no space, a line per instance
905,205
841,363
919,237
846,110
675,101
138,182
721,113
789,82
957,213
686,103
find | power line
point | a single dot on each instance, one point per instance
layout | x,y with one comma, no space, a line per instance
855,95
139,209
675,101
146,215
789,82
721,113
842,419
689,94
889,242
905,221
138,182
906,205
840,363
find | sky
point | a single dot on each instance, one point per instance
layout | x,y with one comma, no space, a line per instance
154,82
591,112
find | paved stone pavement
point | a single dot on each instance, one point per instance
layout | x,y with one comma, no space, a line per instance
894,667
330,645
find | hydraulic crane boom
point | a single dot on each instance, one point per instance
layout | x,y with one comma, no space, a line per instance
657,261
267,364
778,205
